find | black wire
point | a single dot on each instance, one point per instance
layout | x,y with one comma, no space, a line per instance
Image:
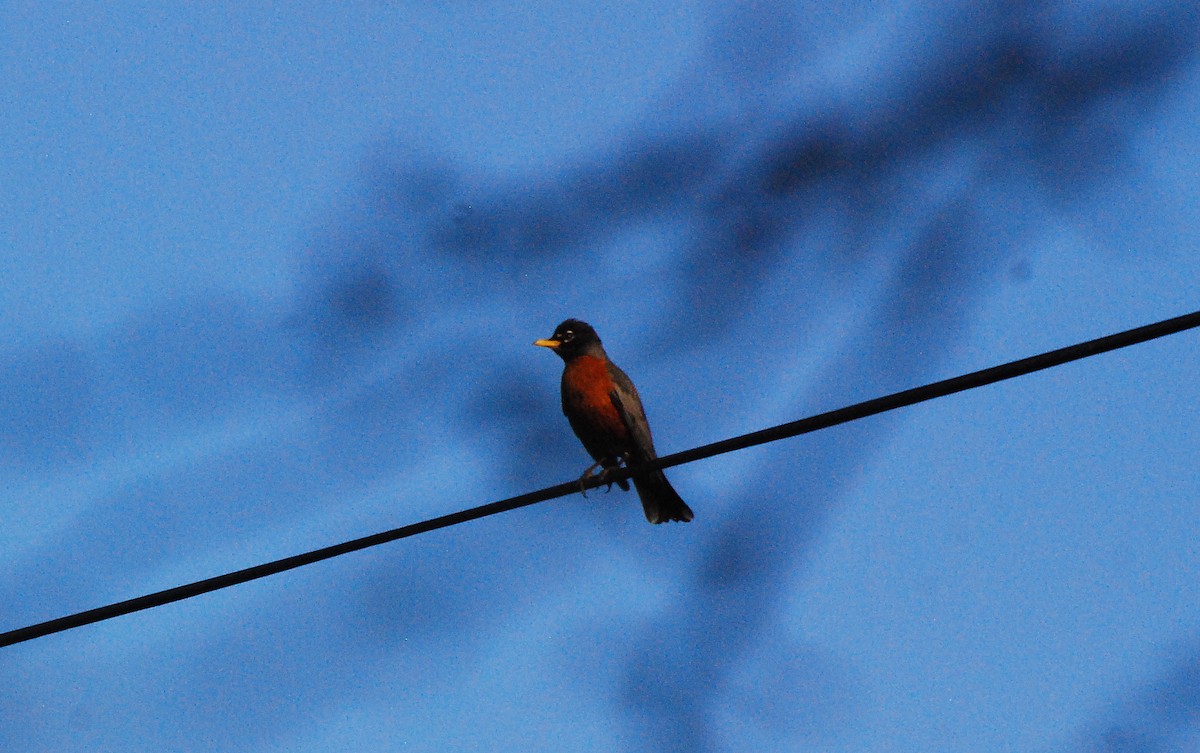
784,431
936,389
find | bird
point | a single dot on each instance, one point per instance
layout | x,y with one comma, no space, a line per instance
605,412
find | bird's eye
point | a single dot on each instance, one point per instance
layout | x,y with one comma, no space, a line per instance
568,336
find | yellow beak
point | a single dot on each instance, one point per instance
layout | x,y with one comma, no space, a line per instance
547,343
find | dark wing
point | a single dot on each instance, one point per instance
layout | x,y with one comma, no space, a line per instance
629,406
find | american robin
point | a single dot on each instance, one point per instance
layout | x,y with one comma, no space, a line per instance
606,413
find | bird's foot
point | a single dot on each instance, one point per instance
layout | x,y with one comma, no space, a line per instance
604,474
587,475
610,469
622,461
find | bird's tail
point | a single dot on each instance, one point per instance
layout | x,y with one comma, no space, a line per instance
660,500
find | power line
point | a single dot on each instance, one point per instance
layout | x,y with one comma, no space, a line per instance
783,431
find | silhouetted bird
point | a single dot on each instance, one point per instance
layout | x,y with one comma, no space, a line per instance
606,413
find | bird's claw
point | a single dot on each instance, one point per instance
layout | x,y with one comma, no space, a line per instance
604,478
604,474
584,478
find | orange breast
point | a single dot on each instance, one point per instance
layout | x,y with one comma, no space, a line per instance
586,399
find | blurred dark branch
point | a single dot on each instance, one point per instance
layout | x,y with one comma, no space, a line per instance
744,189
1163,718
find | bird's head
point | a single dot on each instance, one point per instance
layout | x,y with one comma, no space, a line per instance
573,338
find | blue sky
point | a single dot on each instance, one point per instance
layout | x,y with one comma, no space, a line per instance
271,280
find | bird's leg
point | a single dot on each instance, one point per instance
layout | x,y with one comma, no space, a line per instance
586,475
623,458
